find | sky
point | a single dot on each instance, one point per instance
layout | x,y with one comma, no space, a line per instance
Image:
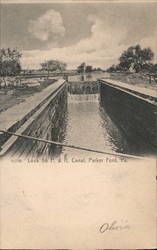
95,33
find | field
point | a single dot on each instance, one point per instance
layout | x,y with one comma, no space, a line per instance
10,95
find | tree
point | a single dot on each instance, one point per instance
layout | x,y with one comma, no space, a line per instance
9,62
134,58
81,68
99,69
147,55
53,65
112,68
154,69
88,68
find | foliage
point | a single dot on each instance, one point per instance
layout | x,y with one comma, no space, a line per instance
153,69
81,68
137,60
113,68
97,69
89,68
53,65
9,62
134,58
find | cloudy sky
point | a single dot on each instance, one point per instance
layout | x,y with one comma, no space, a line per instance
95,33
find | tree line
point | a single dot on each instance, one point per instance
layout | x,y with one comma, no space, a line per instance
135,59
10,64
53,65
83,68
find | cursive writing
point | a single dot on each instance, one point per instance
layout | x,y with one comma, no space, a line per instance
114,226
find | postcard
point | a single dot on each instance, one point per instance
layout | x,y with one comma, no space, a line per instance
78,124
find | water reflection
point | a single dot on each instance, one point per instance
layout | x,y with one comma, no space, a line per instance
114,132
94,76
86,124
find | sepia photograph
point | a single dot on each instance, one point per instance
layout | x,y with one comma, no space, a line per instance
77,75
78,124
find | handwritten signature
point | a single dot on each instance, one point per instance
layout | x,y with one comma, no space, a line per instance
114,226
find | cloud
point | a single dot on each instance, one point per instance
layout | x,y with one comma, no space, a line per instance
49,25
103,37
100,49
150,41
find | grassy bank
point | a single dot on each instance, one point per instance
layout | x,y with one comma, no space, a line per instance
11,96
134,79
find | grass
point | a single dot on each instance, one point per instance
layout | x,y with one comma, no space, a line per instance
11,96
134,79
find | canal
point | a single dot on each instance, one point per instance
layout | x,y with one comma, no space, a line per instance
77,116
86,123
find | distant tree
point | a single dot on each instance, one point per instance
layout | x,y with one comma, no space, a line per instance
134,58
9,62
89,68
53,65
112,69
99,69
119,67
81,68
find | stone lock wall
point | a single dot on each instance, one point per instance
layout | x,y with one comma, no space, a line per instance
135,116
50,125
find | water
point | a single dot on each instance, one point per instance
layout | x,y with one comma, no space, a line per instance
88,76
88,125
85,125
